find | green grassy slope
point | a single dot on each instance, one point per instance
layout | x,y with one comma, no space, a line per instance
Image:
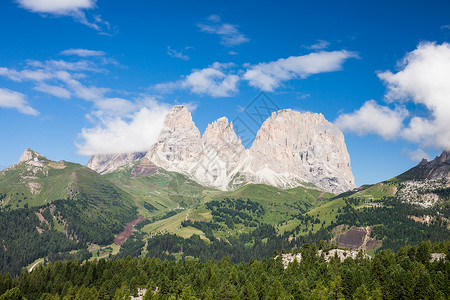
83,205
164,191
21,186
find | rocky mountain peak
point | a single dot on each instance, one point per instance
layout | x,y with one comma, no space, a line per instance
435,169
221,134
290,149
30,155
179,143
179,117
445,156
293,147
223,152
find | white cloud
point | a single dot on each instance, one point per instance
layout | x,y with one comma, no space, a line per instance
60,78
372,118
137,131
416,155
72,8
211,81
16,100
176,54
33,75
83,52
424,79
59,7
268,76
54,90
115,106
445,26
229,34
320,45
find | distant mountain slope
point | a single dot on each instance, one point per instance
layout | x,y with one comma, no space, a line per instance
435,169
106,163
91,207
50,207
36,180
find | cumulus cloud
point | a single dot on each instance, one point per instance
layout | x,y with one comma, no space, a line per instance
268,76
60,7
229,34
416,155
83,52
73,8
118,124
372,118
213,81
16,100
136,131
424,79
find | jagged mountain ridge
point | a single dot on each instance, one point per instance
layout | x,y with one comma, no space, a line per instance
437,168
290,149
428,183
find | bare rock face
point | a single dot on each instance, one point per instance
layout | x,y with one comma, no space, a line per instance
438,168
223,154
210,160
291,148
144,168
33,163
179,146
106,163
30,156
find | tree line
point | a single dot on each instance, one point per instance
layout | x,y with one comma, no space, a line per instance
407,274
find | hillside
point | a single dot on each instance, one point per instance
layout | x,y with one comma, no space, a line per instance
179,218
53,207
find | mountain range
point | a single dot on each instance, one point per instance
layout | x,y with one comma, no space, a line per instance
290,149
209,197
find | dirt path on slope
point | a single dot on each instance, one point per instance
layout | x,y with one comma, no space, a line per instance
124,235
38,262
320,198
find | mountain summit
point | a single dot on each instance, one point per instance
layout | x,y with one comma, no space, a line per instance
438,168
294,147
30,155
290,149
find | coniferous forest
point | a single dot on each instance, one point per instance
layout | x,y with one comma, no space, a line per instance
407,274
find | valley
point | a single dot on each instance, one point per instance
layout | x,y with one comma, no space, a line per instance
143,210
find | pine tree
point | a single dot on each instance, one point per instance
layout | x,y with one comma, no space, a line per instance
361,293
248,292
12,294
186,294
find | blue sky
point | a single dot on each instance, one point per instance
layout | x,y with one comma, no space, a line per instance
84,76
